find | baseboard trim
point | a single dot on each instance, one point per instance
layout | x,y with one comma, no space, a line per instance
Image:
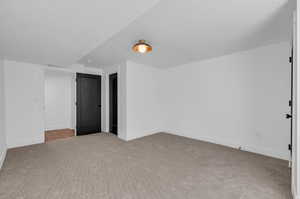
2,158
141,136
251,149
26,143
296,197
294,193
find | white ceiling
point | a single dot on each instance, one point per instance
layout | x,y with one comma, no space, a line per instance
100,33
60,32
183,31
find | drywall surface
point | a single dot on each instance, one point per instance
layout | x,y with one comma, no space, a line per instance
143,101
24,100
59,100
2,115
296,133
122,101
239,100
104,96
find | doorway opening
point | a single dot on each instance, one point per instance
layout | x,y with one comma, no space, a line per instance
59,105
113,103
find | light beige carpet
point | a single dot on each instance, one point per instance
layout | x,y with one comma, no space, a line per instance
160,166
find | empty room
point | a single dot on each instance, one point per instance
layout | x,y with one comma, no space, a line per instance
149,99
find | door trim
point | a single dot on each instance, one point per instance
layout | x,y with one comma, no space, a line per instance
112,75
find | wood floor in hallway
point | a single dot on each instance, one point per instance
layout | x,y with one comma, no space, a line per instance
58,134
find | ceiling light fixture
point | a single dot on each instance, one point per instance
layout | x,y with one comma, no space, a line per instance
142,47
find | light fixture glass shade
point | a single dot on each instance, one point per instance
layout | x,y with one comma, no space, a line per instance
142,47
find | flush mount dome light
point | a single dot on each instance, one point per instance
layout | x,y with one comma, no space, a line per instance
142,47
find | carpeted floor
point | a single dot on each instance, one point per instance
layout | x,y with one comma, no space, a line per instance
159,166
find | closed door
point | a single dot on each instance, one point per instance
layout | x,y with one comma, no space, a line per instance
113,103
88,104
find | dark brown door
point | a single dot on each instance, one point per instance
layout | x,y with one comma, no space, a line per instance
113,103
88,104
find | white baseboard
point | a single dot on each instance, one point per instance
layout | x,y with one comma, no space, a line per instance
143,135
22,143
57,127
253,149
2,158
294,193
296,197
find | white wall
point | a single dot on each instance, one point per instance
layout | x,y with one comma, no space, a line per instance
59,100
239,100
139,100
296,138
144,110
24,100
2,114
122,101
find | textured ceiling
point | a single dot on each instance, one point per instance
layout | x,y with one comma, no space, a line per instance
100,33
60,32
186,31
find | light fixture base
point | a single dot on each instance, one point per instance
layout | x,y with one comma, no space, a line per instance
142,47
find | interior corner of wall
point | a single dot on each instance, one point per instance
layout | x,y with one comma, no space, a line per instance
127,62
2,157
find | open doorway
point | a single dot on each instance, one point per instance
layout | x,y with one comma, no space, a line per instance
59,105
113,103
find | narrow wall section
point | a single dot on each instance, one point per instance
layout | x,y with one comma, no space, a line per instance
24,101
145,114
2,115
